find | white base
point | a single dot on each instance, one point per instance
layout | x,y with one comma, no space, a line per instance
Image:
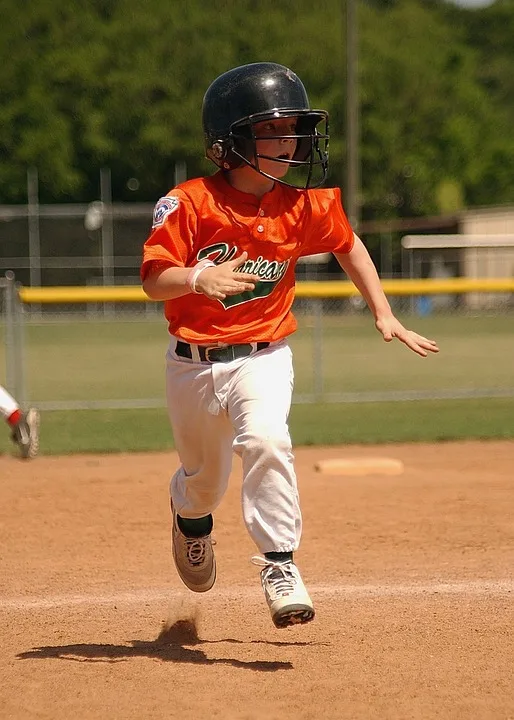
360,466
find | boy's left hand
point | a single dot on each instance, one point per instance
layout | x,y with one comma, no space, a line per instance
391,328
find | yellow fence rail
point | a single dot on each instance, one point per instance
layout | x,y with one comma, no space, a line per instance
320,289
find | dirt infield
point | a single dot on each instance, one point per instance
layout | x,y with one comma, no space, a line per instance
411,575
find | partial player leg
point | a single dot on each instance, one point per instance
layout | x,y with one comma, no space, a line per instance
25,433
203,439
259,401
8,405
24,426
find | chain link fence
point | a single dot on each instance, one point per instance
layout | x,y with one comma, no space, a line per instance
80,354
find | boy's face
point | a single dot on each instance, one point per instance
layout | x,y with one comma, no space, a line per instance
267,143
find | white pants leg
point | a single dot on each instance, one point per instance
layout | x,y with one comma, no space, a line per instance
259,400
203,437
7,403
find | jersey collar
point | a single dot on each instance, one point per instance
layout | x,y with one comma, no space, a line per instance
242,197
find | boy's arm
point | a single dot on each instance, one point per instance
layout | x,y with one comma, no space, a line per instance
359,267
214,281
167,283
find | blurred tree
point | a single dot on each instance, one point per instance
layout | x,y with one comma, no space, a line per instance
490,32
120,84
426,121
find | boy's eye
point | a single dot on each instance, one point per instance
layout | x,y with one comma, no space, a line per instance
272,129
265,130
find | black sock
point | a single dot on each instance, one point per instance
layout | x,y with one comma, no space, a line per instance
279,556
195,527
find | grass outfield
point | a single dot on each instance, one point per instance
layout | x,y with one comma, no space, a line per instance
101,431
476,352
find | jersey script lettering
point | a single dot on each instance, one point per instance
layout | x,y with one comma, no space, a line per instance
270,272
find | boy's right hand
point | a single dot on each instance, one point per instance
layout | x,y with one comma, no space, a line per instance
222,280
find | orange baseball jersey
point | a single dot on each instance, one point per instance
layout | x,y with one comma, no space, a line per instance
208,218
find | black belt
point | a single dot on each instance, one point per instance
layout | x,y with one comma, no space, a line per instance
212,353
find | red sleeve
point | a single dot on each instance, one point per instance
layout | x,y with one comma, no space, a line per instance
330,229
170,241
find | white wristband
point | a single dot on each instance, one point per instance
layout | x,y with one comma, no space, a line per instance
195,272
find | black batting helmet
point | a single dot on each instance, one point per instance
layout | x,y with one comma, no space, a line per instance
246,95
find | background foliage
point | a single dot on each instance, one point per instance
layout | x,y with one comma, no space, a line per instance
119,83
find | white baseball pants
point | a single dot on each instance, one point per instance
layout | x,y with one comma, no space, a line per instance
240,406
8,404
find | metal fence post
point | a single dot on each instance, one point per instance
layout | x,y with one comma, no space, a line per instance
34,231
14,340
107,235
317,350
10,358
19,345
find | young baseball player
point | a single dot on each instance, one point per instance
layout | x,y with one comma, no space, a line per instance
222,255
24,426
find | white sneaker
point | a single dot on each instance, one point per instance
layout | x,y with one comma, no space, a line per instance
26,434
194,559
285,593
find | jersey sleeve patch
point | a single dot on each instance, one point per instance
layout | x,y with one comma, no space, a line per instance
165,206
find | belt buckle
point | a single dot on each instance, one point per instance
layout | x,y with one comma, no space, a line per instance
212,348
207,351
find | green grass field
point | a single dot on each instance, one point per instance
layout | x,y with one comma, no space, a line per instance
111,431
88,360
476,352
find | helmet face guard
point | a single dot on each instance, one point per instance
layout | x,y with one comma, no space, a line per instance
311,155
251,94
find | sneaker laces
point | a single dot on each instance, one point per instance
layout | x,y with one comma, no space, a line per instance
281,576
197,548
